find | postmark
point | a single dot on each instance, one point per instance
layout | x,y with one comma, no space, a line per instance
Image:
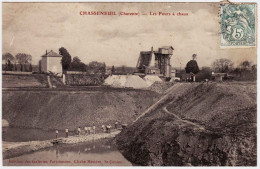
238,25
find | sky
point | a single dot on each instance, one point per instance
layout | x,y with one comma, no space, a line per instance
34,28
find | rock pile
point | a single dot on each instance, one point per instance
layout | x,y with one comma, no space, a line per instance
150,79
126,81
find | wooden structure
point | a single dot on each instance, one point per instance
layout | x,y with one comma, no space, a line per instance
156,62
218,76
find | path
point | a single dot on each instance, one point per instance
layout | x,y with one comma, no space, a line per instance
177,90
161,100
185,121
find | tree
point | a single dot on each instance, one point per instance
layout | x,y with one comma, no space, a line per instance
192,66
77,65
40,66
254,68
23,59
30,68
96,67
113,70
123,69
245,65
76,60
8,56
66,58
9,66
223,65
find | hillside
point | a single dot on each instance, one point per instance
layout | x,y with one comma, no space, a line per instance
208,125
71,109
17,81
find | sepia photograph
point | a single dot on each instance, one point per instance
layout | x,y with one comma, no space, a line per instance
129,83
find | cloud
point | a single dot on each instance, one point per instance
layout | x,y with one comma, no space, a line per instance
117,40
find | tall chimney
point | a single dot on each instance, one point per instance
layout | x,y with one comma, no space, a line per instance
46,51
152,49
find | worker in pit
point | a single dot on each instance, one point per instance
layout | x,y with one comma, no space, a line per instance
67,132
79,131
56,133
94,129
108,128
104,128
86,130
116,124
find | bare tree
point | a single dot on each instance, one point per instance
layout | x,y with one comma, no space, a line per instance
222,65
23,59
245,65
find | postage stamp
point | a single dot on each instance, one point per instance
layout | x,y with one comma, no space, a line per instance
238,25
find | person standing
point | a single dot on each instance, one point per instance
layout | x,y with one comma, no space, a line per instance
67,132
94,129
56,133
108,128
104,128
116,124
86,130
79,131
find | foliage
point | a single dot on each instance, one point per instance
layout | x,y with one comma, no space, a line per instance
96,68
113,70
245,72
66,58
245,65
23,58
192,67
8,56
8,66
30,68
223,65
84,79
77,65
40,66
205,73
123,70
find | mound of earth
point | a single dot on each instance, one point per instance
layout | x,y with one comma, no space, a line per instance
128,81
71,109
150,79
161,87
212,125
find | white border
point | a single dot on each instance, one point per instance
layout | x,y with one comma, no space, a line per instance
258,71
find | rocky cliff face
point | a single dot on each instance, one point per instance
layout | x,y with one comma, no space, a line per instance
162,139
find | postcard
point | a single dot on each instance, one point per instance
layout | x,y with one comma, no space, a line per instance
129,83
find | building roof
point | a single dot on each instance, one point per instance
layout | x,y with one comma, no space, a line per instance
51,54
218,74
166,47
146,52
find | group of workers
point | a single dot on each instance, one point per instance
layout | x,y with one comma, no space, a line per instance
90,130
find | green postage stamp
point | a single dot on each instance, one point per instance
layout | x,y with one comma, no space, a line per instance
238,25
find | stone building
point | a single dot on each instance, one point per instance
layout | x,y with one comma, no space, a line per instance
51,63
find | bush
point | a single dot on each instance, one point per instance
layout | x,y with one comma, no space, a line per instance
84,79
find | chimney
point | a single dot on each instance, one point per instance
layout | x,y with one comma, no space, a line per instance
46,51
152,48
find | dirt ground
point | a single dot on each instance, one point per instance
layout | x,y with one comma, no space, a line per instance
61,109
209,125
